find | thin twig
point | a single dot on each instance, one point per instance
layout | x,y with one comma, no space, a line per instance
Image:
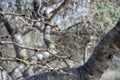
58,9
14,60
56,69
23,47
23,17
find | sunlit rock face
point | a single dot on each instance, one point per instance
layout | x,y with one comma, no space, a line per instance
112,73
72,13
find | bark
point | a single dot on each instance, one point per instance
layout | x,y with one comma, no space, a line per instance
96,64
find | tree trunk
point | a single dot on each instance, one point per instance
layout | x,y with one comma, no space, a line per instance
96,64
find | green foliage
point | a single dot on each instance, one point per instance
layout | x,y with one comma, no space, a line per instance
50,47
22,57
107,13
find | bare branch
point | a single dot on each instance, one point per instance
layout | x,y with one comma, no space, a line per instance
14,60
23,17
58,9
23,47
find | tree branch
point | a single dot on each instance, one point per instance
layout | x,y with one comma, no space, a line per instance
96,64
58,9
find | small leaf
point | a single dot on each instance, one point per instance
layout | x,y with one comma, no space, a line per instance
22,57
50,47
